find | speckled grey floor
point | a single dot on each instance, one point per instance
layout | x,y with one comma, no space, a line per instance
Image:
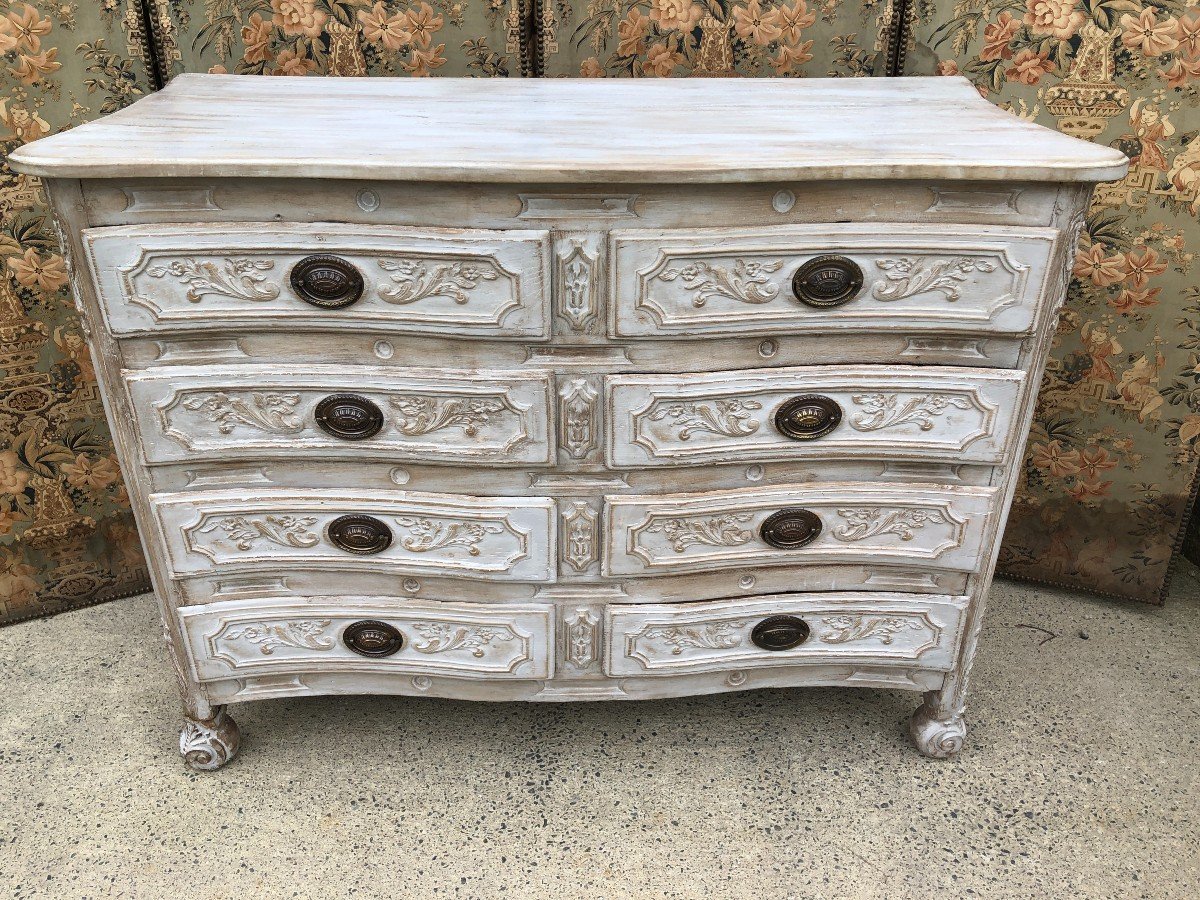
1079,779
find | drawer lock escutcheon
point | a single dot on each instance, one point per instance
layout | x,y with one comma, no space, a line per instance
789,529
349,417
827,281
371,638
329,282
809,417
360,534
779,633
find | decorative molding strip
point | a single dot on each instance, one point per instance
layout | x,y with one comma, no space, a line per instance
576,206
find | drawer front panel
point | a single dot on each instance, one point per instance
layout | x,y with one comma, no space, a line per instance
852,628
235,412
469,283
270,636
930,526
899,412
739,281
510,539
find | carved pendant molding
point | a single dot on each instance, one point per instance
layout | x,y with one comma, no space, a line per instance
579,538
582,648
578,411
578,282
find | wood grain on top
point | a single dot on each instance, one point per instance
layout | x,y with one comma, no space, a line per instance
566,130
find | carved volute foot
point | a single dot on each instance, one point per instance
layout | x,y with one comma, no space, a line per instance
939,738
207,744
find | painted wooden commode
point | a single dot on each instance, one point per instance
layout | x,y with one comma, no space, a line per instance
568,390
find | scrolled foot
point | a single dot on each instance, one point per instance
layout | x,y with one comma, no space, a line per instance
207,744
939,738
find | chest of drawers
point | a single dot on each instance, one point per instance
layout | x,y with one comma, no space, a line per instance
568,390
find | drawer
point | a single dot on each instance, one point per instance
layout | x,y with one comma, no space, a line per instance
303,635
464,282
914,278
508,539
851,628
901,412
323,412
928,526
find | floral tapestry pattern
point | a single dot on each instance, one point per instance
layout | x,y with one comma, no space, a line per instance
340,37
66,534
657,38
1113,452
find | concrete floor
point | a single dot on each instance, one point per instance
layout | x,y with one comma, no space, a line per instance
1079,779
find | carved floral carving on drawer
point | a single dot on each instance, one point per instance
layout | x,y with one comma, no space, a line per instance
305,635
737,281
465,281
235,411
959,415
711,636
905,525
483,537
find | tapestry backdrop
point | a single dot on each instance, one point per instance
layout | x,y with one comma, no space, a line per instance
1113,452
66,535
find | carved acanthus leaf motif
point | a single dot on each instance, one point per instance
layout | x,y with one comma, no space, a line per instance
713,636
426,534
844,629
424,414
269,636
728,417
714,531
420,279
870,521
577,417
286,531
579,535
748,282
441,637
237,278
906,277
263,410
887,411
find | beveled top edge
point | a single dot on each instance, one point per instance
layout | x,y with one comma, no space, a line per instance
568,131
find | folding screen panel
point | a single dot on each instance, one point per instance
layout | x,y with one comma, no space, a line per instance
655,38
66,535
1113,454
342,37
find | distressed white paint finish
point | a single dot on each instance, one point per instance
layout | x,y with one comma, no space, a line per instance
465,282
851,628
277,635
965,236
239,412
713,281
933,526
953,414
442,534
568,130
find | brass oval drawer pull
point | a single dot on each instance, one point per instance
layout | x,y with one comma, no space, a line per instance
349,417
360,534
808,417
790,528
372,638
779,633
827,281
329,282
